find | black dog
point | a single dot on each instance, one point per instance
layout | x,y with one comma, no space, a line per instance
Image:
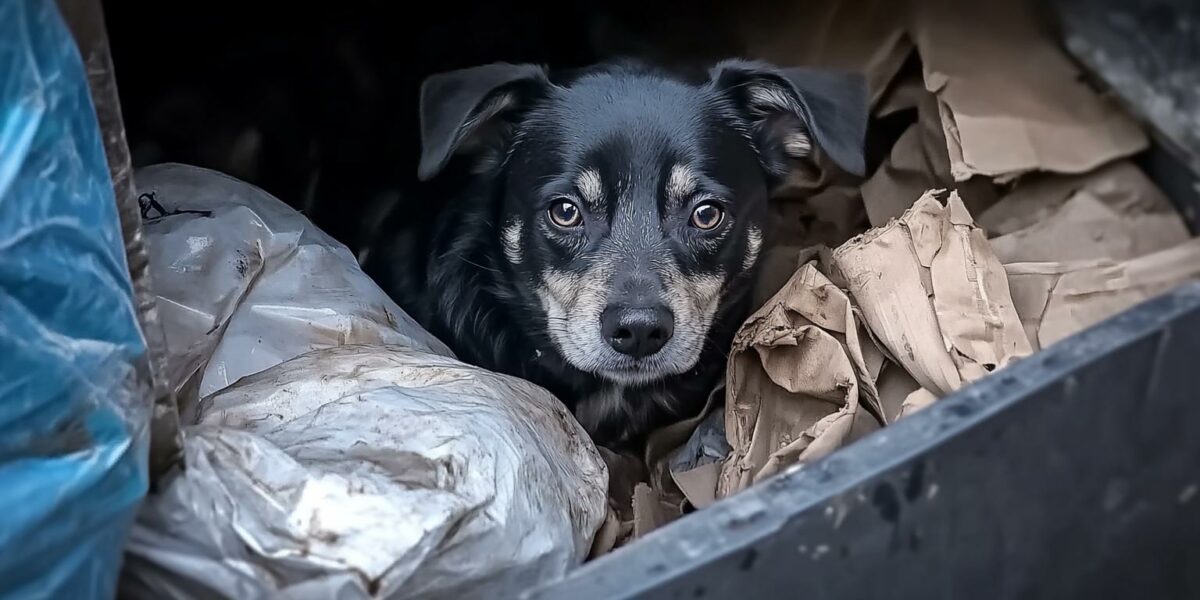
597,231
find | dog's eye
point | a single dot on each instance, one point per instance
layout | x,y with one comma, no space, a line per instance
707,216
564,213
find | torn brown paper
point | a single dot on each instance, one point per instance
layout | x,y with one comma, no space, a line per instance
1115,212
894,385
1085,228
625,473
934,295
918,162
699,485
798,382
642,492
649,513
1010,100
1120,185
777,265
1056,300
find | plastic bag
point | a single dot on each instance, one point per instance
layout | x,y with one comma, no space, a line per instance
354,456
245,282
73,403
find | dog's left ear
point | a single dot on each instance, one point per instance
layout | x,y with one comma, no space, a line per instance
791,109
464,110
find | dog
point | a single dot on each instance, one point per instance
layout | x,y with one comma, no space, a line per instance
596,231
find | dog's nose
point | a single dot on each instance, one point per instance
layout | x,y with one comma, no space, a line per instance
637,332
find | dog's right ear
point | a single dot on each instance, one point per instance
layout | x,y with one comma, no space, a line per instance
464,110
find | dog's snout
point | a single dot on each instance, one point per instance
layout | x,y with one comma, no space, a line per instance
637,332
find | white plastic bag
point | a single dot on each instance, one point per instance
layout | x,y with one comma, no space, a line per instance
244,278
354,457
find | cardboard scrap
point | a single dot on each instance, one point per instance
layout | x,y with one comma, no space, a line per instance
1010,100
934,294
800,381
699,485
1086,228
1115,212
895,385
1119,185
642,491
918,162
1056,300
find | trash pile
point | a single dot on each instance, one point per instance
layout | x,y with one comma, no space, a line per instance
1006,215
332,447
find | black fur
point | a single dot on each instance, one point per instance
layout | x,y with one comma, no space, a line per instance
501,140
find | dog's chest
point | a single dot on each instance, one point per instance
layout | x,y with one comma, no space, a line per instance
615,415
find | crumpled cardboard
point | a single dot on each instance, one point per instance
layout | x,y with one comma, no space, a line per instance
695,466
1058,299
918,162
642,491
1010,100
1085,228
800,381
934,294
1115,212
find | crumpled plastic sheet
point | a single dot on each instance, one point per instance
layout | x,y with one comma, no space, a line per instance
244,282
353,456
73,412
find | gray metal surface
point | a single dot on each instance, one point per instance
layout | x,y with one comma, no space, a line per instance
1148,55
1073,474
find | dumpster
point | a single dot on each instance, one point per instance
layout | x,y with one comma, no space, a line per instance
1074,472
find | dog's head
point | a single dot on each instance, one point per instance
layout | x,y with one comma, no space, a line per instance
633,202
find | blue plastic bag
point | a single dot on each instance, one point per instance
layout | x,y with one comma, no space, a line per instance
73,416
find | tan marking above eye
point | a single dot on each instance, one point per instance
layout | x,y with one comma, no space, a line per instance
565,213
707,216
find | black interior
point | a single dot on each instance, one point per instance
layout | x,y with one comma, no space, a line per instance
318,107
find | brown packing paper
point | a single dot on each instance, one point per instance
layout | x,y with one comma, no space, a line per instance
1010,101
1084,228
894,385
934,295
777,266
642,492
625,473
650,511
661,446
1056,300
1120,185
918,162
699,485
1115,212
799,381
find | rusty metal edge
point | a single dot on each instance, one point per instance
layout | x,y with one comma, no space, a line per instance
85,18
